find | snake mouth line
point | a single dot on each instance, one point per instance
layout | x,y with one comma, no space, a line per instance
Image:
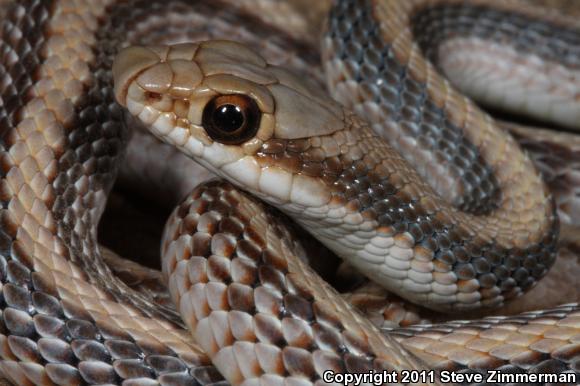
335,164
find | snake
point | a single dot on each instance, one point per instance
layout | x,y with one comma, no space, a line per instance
400,174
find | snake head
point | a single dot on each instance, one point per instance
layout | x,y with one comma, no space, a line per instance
224,106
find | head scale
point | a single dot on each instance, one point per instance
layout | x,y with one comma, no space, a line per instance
222,104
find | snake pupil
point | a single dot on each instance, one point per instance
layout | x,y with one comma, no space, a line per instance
231,119
228,117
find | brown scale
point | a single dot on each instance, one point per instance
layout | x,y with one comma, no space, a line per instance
308,330
92,135
104,373
365,186
411,110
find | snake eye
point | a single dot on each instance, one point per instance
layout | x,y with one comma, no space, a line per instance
231,119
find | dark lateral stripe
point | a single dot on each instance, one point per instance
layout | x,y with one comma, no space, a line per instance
407,103
433,25
21,39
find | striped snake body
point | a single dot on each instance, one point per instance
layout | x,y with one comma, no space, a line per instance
458,218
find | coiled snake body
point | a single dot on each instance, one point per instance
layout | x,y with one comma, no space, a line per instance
470,224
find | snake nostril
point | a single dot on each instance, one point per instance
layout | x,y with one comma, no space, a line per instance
153,96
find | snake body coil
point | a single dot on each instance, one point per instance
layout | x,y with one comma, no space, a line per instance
459,219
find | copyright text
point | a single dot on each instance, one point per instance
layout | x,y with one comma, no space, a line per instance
444,376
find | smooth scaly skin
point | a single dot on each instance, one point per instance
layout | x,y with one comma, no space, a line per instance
62,307
66,318
334,177
62,138
299,164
